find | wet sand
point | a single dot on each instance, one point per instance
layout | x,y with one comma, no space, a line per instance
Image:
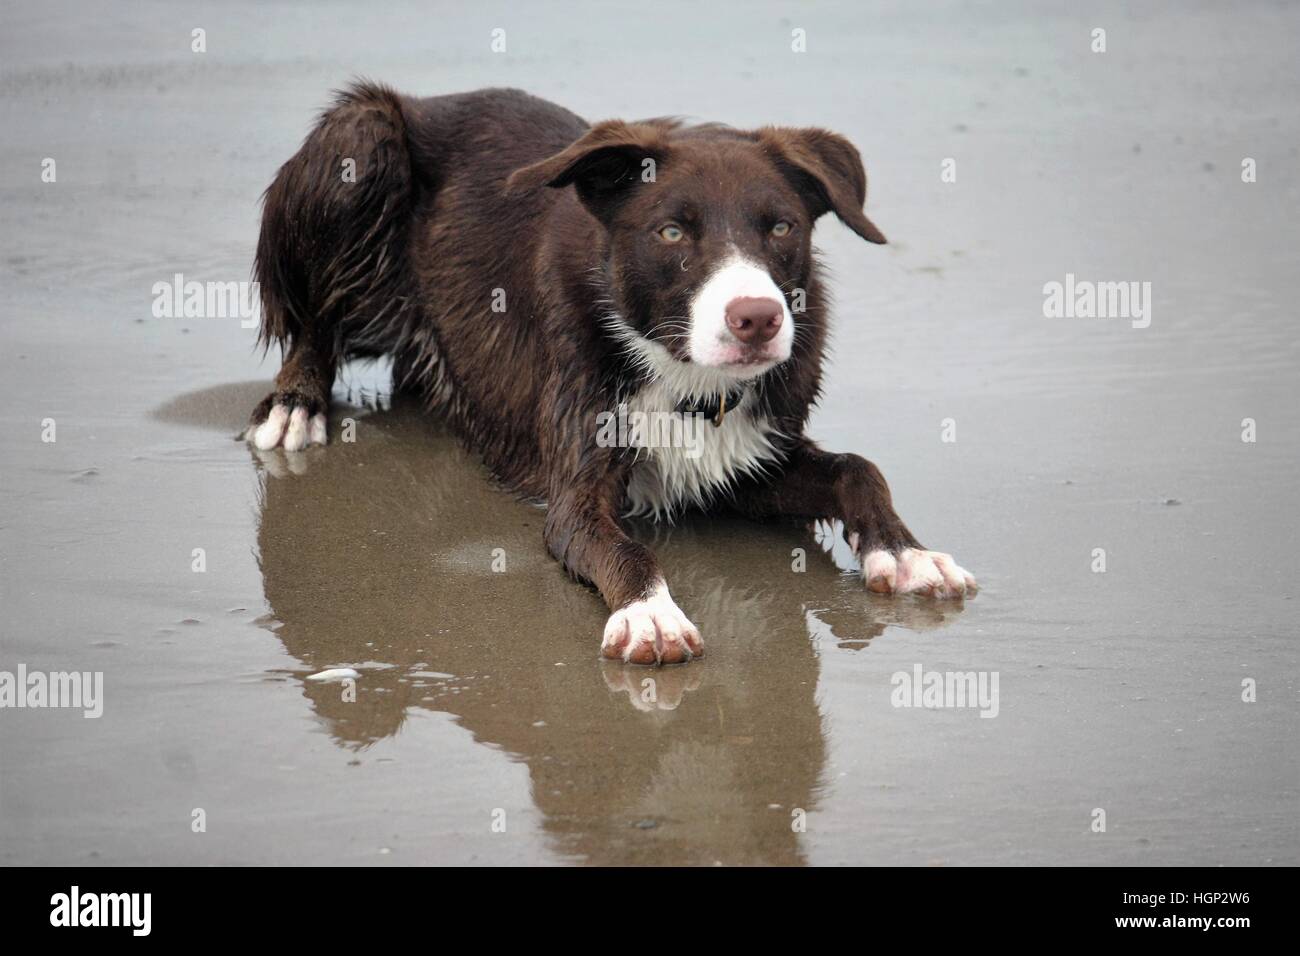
481,696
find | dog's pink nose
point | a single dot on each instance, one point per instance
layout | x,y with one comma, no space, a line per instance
754,321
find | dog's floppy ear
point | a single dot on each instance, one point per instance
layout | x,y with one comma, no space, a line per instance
827,169
601,165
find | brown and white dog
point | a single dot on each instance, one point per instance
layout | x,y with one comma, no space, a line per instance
532,275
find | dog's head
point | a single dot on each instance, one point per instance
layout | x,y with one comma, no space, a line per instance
709,231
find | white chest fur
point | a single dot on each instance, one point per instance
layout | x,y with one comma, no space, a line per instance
685,461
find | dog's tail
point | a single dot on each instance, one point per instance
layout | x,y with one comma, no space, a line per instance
332,261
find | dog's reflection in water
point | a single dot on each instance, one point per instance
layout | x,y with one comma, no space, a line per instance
396,555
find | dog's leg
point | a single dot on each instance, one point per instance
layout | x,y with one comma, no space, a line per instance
821,486
646,626
331,259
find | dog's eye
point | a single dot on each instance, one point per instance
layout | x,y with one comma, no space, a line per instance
782,228
672,233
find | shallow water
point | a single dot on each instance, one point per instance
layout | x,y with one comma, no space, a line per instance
481,697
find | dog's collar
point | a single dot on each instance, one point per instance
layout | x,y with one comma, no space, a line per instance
714,407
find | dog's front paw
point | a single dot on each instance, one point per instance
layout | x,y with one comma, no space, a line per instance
912,571
652,630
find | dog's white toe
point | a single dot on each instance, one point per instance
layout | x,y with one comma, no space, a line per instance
956,579
652,630
880,571
317,430
267,435
295,436
912,571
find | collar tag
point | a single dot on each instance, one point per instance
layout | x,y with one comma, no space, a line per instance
713,408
